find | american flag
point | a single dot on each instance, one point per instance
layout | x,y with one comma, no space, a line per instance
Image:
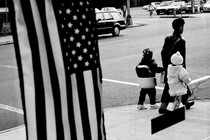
59,68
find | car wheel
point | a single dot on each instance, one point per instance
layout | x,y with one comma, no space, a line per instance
116,31
158,13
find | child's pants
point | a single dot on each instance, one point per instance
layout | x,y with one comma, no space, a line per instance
177,101
152,95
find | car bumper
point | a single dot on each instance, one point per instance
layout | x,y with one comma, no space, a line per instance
206,9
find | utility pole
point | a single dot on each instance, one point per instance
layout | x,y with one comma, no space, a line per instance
192,5
128,18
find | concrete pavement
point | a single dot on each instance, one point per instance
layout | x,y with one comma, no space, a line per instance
128,123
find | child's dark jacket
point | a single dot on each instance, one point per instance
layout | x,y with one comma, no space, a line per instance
147,68
146,71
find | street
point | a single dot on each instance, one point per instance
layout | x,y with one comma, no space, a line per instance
119,56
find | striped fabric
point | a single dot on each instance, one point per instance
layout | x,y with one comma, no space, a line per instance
59,68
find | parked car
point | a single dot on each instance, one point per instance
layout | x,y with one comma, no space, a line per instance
162,7
154,4
178,7
108,9
189,7
110,22
111,9
206,7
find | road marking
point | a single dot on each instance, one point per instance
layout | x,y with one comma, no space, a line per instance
12,67
127,83
11,129
10,108
161,88
113,42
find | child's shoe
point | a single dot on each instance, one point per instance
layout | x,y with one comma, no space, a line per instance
154,106
141,107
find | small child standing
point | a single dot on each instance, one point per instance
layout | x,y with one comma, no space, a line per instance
146,71
178,77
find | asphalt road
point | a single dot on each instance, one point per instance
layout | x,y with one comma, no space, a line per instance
119,56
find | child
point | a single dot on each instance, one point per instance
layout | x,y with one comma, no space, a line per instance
146,71
178,77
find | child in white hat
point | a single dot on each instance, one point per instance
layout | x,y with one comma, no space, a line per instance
178,77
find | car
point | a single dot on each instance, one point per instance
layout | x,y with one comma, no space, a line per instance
109,22
97,10
161,8
154,4
178,7
189,7
206,7
111,9
108,9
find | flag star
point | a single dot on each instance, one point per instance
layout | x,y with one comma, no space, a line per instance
76,31
72,38
75,65
86,63
86,29
83,37
78,44
89,43
78,10
86,9
81,3
67,54
62,26
60,11
85,50
83,16
70,25
80,58
74,17
68,68
64,40
73,52
89,22
68,11
80,23
87,3
91,56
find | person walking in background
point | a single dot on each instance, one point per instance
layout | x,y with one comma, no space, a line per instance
123,8
150,9
146,71
172,44
177,77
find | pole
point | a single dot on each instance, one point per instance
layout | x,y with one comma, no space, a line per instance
128,19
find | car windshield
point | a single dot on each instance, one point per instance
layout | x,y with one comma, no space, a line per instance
208,2
165,3
176,4
196,3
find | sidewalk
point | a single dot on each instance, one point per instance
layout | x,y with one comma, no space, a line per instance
6,40
128,123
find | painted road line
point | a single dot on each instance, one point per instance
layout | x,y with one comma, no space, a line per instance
110,42
12,129
10,108
127,83
161,88
12,67
200,79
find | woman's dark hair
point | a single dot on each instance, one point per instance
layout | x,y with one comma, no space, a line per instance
178,22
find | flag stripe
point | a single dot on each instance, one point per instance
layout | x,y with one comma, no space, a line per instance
12,16
52,71
77,111
57,52
83,104
98,103
38,79
89,84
